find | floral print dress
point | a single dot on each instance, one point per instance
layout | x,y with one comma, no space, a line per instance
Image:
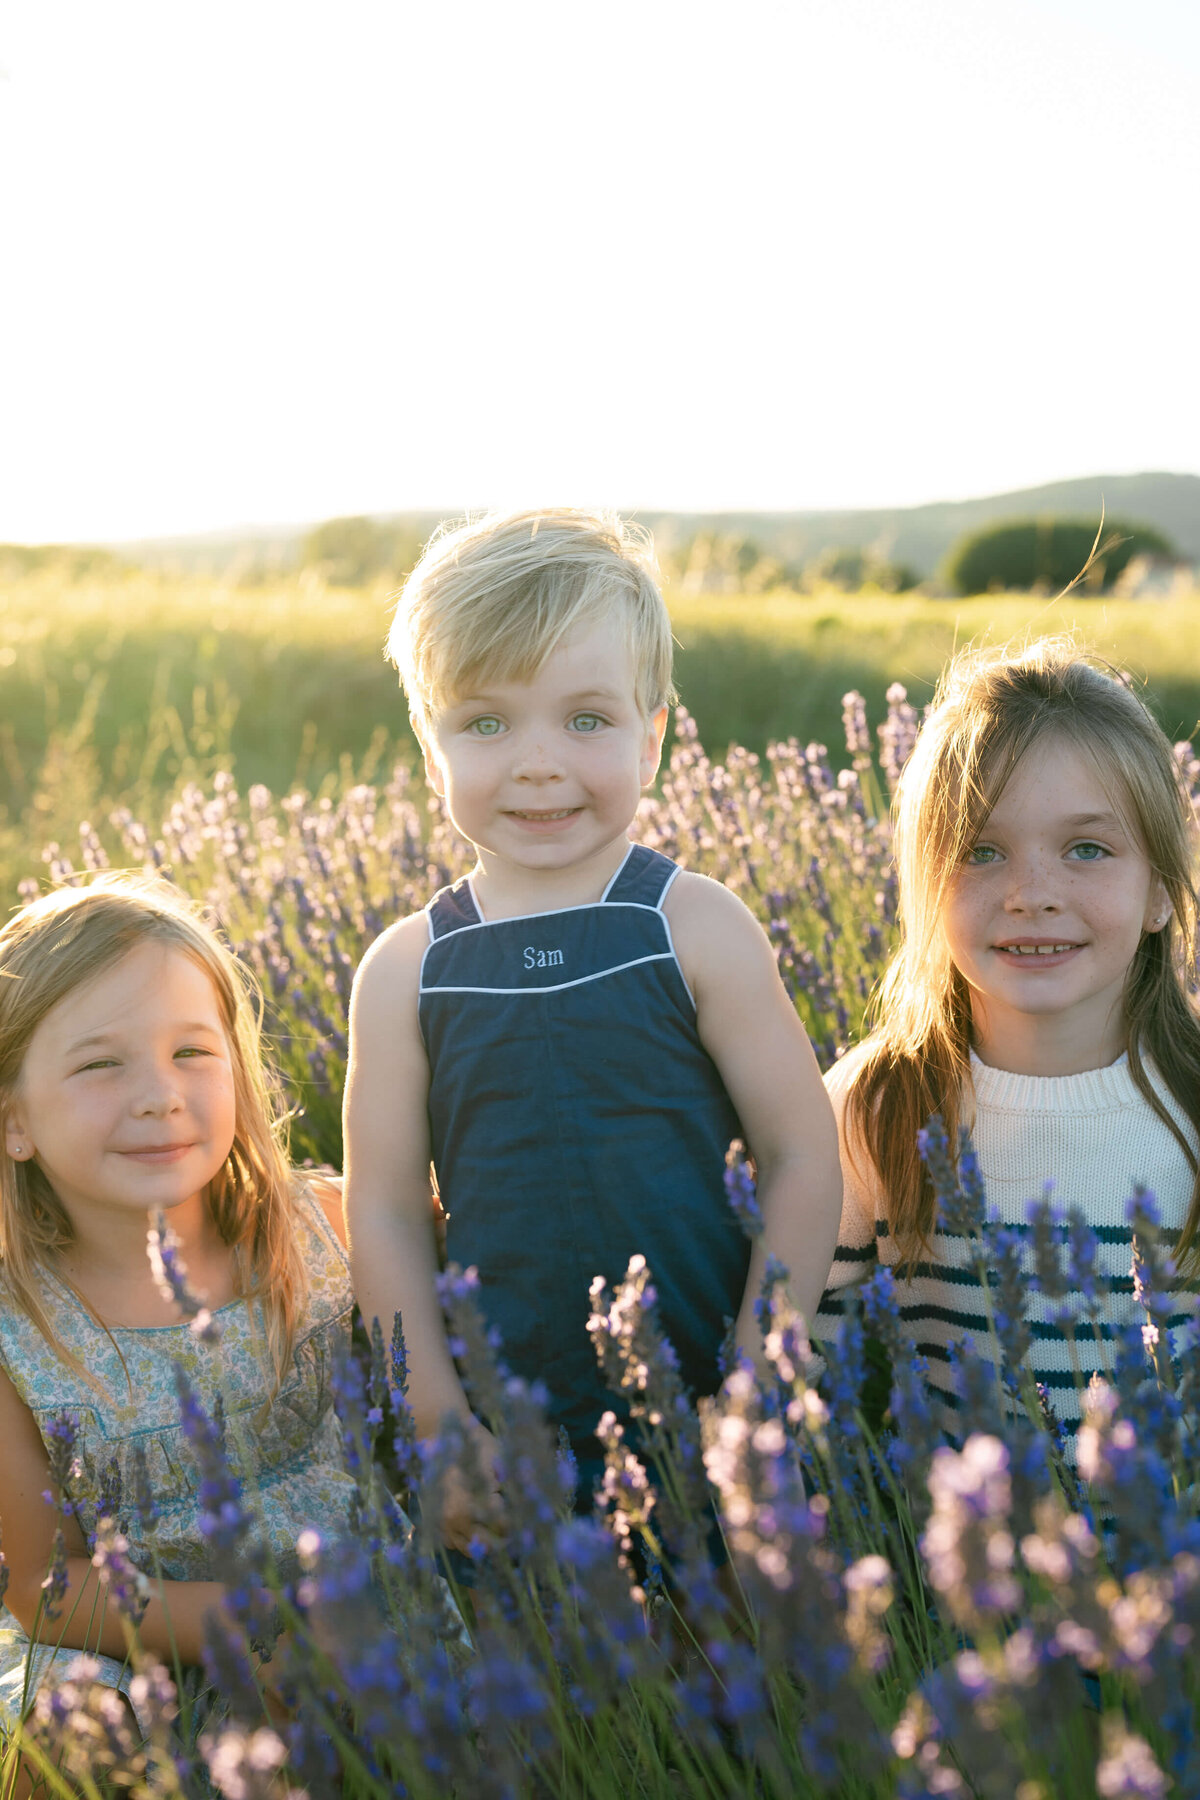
287,1455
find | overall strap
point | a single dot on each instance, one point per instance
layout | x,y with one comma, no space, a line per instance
452,909
642,879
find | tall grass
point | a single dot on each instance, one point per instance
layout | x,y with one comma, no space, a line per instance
114,690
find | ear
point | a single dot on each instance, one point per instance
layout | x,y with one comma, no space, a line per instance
16,1138
1158,908
433,769
434,775
652,747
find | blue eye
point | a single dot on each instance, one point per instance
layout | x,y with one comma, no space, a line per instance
487,725
587,723
1088,852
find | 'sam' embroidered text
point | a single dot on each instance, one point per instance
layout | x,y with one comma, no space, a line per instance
542,959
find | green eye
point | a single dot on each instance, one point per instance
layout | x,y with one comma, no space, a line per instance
1088,852
979,856
587,723
486,726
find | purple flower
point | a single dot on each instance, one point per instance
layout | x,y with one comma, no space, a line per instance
740,1190
1127,1769
243,1764
967,1544
126,1584
960,1202
170,1275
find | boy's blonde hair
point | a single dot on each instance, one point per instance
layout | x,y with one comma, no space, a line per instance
53,946
492,599
990,709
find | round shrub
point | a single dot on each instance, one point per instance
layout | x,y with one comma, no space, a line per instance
1027,553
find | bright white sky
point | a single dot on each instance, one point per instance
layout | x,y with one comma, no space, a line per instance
264,261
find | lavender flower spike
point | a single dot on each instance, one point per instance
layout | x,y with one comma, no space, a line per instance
740,1189
170,1276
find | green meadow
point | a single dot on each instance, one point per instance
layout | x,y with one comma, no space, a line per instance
115,690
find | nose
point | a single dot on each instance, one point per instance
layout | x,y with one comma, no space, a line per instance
535,758
159,1094
1031,887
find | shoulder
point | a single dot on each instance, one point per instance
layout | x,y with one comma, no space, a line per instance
321,1191
841,1077
26,1356
391,968
714,932
694,897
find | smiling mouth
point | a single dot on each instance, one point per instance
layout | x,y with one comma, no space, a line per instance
562,812
1034,950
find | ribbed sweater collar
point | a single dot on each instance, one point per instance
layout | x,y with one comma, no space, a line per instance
1095,1090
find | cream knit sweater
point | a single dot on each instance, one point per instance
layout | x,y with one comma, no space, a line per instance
1094,1137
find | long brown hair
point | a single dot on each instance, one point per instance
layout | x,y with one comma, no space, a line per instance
990,708
52,946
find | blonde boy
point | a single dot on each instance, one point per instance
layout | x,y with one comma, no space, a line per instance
573,1033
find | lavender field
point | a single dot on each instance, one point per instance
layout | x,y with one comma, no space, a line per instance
898,1617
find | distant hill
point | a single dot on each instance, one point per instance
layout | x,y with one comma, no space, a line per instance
916,535
921,535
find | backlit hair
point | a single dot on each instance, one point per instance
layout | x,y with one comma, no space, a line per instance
51,947
990,709
492,599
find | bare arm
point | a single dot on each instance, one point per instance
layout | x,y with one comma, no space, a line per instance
174,1619
389,1219
749,1027
862,1199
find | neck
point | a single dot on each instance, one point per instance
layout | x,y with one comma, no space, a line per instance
111,1251
1033,1046
505,892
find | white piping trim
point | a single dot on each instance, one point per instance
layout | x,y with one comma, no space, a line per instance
617,873
560,986
559,912
675,957
667,886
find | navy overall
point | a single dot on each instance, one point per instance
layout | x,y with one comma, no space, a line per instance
576,1119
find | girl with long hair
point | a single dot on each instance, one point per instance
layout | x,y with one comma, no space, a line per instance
1040,996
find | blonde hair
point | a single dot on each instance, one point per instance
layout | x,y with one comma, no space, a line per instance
47,950
494,598
990,709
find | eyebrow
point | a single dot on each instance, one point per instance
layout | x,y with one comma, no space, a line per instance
1109,819
578,699
97,1039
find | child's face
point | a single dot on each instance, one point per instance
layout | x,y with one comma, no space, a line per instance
1046,913
126,1094
546,774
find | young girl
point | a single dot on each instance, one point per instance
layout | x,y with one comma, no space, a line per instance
1039,996
130,1080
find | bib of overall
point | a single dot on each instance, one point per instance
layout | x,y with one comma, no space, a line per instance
576,1120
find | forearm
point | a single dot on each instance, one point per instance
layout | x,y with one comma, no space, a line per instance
800,1207
396,1271
87,1619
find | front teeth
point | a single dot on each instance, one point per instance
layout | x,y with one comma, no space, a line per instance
1036,949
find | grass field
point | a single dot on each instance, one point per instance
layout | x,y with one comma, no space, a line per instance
113,691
